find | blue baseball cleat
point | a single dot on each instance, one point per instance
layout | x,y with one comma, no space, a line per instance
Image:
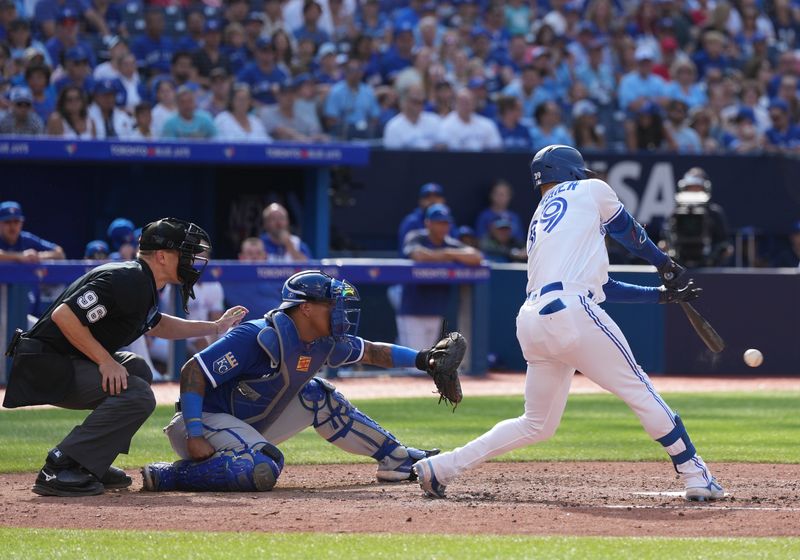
427,479
713,491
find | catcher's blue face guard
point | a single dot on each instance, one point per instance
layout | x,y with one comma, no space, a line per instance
346,312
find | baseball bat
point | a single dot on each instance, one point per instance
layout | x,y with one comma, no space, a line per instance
704,330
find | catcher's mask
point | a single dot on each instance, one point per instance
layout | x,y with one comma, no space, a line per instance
316,286
189,240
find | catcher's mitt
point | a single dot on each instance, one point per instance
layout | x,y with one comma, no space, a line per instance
442,364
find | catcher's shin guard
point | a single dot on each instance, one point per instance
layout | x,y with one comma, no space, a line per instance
342,424
248,471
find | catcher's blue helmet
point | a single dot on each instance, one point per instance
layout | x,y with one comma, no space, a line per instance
557,163
316,286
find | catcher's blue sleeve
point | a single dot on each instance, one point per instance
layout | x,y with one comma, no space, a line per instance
621,292
627,231
234,354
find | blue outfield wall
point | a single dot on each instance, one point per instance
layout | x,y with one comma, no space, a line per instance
749,308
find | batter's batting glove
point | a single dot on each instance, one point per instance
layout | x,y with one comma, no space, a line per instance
672,275
687,293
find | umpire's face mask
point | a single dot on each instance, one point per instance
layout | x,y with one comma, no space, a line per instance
192,261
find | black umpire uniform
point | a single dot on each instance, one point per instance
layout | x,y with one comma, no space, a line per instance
117,302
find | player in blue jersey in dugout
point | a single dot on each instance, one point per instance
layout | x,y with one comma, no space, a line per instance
256,387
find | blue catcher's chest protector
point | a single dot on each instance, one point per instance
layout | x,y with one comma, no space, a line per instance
260,401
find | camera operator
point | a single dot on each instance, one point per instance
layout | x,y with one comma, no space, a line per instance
697,231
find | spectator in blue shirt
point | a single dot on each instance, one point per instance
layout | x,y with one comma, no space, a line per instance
195,31
153,51
21,246
37,78
263,76
483,105
515,136
279,242
189,123
527,88
641,86
78,71
328,71
684,85
712,54
67,36
783,136
744,137
400,55
685,139
310,29
48,12
371,21
549,128
351,109
597,74
20,40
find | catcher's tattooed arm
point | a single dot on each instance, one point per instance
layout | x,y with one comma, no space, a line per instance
193,388
389,355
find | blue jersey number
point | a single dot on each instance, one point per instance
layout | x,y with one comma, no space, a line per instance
550,217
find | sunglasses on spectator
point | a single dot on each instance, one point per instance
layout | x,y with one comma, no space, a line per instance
416,100
22,103
72,98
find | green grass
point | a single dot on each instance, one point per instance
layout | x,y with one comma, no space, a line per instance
736,427
132,545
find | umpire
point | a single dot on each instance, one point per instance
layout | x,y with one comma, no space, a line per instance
70,358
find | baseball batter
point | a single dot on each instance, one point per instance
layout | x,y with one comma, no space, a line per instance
561,327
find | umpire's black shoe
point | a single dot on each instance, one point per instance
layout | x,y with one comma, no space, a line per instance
69,482
116,478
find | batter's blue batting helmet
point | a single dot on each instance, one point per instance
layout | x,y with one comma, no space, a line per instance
557,163
316,286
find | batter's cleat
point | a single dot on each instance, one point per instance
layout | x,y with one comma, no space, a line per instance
427,479
66,483
159,477
115,478
705,493
391,469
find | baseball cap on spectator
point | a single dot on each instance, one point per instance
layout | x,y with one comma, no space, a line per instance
583,107
597,43
464,231
10,210
649,108
538,51
67,14
212,25
479,31
669,44
285,85
429,189
404,26
255,16
475,83
120,231
301,79
104,86
95,247
644,52
779,104
665,23
186,88
438,213
745,114
325,49
572,7
758,37
264,44
587,27
20,94
78,53
502,223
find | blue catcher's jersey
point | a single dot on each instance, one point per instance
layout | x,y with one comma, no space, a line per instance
244,381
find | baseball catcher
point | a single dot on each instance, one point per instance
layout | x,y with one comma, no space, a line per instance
256,387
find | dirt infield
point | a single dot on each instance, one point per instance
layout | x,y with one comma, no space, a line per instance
612,499
569,498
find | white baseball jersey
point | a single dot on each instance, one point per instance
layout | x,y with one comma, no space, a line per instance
566,237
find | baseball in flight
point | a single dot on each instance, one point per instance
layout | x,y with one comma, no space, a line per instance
753,357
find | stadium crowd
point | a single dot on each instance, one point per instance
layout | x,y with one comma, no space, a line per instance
694,76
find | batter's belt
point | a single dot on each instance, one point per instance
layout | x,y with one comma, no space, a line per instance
566,289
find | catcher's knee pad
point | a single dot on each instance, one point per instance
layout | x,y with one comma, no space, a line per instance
342,424
246,471
678,444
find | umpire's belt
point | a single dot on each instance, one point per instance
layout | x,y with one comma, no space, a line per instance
568,287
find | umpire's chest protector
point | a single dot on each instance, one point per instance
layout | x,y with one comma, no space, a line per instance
260,401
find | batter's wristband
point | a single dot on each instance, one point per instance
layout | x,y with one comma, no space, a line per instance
192,411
